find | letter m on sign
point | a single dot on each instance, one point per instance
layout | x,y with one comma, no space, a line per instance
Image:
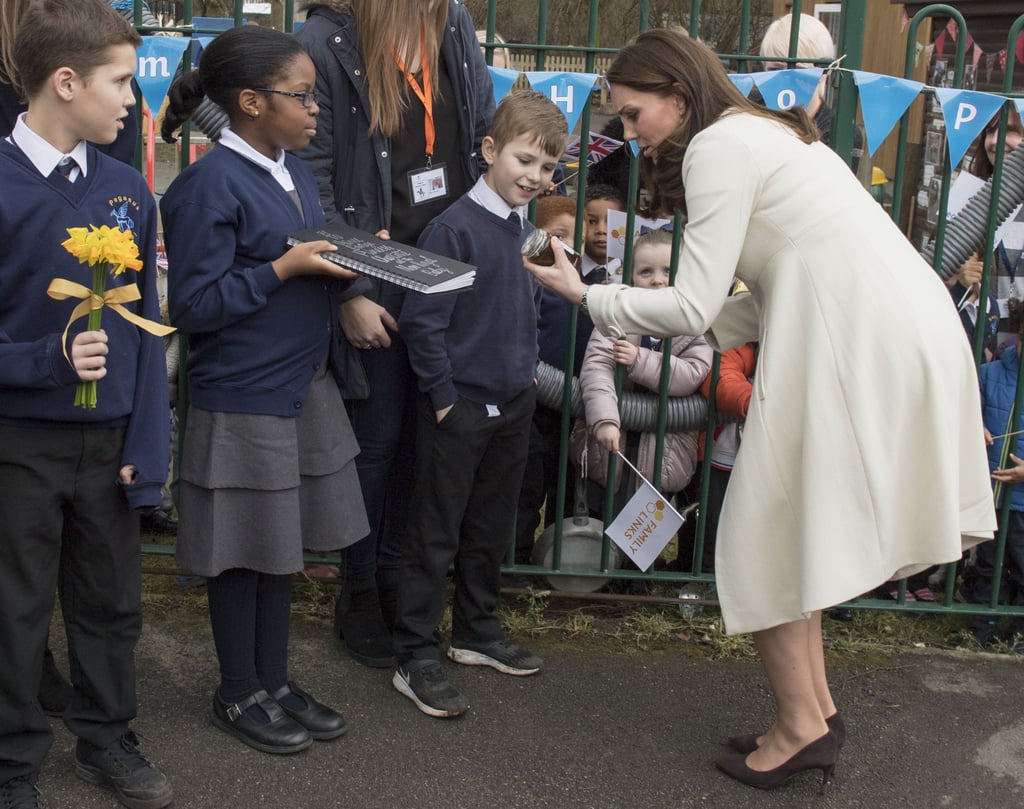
153,66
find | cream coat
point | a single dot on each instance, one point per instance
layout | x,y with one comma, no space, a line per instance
862,455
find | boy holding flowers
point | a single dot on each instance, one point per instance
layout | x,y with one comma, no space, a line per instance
72,475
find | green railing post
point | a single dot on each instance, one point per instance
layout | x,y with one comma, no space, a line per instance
850,47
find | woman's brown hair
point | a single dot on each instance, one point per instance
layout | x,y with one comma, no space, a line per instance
667,62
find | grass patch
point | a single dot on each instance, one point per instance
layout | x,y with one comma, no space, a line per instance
614,625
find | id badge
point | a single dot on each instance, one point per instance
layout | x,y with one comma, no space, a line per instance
429,184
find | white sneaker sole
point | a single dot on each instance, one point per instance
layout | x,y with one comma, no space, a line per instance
402,687
467,657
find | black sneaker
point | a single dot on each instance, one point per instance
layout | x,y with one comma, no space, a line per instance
423,682
122,768
19,793
502,655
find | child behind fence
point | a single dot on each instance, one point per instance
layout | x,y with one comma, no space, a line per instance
642,358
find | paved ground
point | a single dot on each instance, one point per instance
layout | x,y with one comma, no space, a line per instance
593,730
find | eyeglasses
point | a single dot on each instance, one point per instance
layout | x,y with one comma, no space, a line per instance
307,99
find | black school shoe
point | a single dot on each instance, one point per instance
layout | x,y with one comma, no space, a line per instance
19,793
323,723
121,768
279,734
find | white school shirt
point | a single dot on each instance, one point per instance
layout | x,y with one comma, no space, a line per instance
276,168
44,155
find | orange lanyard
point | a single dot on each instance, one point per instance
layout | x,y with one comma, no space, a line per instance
423,93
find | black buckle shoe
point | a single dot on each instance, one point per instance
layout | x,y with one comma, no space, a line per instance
122,768
281,734
322,722
19,793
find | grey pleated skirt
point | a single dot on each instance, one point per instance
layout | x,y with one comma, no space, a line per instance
256,490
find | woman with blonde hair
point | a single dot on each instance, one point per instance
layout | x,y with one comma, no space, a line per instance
405,101
813,42
826,500
502,57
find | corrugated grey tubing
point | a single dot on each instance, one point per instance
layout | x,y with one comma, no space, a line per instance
638,410
965,233
210,118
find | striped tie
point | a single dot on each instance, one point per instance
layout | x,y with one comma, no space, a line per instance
66,166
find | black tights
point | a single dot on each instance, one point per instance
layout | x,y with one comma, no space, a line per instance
249,613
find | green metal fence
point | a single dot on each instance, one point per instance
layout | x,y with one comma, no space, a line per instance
734,30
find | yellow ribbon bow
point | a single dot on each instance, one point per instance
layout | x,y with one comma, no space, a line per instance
61,289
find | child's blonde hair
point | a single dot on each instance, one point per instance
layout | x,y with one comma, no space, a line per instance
653,238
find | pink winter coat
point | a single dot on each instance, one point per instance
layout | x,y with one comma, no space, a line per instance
691,363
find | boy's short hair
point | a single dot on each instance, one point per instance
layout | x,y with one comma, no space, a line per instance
66,33
551,206
530,113
600,191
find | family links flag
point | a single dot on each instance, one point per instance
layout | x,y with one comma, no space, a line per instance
646,523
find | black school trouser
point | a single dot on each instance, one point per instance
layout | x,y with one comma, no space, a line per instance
468,473
65,525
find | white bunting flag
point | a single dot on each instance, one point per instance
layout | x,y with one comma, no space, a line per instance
645,525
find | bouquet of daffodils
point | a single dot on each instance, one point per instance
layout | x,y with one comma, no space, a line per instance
106,250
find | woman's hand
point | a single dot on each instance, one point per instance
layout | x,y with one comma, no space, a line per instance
366,323
624,352
607,436
560,277
306,259
1015,474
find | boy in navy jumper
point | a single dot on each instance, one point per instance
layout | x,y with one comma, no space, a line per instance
475,355
70,478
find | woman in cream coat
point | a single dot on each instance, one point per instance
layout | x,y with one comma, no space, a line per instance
862,456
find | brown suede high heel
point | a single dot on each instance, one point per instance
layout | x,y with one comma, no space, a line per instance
747,743
821,754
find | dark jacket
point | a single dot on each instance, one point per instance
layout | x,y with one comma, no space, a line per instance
353,170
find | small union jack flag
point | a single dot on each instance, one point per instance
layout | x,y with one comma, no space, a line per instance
600,147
